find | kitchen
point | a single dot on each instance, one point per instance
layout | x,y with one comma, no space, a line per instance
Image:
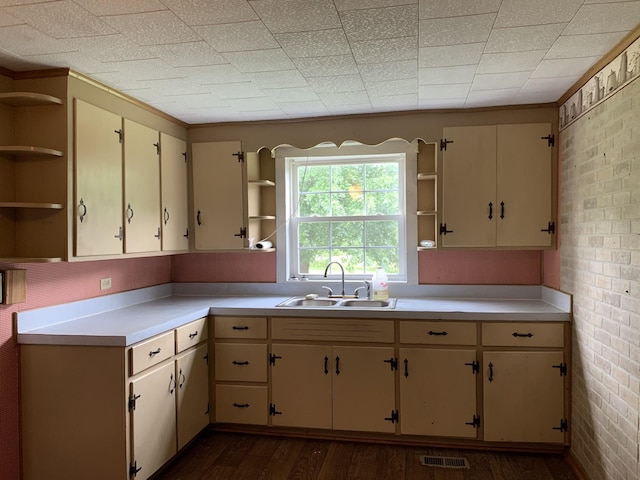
596,262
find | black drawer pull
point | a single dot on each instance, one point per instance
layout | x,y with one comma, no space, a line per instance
154,352
241,405
239,328
235,362
194,334
443,334
516,334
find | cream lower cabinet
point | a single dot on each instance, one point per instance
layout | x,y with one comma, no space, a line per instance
524,387
192,373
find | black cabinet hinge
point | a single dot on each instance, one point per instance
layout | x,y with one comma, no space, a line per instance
395,417
273,411
157,145
242,234
564,425
208,409
475,366
551,139
240,156
562,367
393,362
443,229
132,402
272,358
206,358
184,154
475,423
443,143
134,469
551,228
120,135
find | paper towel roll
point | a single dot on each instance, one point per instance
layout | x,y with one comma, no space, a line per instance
265,244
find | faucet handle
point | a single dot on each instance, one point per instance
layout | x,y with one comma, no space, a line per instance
330,292
356,292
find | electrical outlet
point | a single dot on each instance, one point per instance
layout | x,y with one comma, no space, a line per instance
105,283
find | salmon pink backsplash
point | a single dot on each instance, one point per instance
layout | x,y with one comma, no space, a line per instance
234,267
480,267
53,284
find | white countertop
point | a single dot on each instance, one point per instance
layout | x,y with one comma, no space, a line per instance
126,318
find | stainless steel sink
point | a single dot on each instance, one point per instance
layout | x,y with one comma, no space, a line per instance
337,303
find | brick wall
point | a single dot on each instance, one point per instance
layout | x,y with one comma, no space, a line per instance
600,266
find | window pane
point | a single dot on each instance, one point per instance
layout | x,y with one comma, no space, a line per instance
347,234
382,176
381,233
314,204
346,178
313,260
382,257
383,203
313,234
344,204
352,259
314,178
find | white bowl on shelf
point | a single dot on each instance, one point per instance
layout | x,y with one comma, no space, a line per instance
427,243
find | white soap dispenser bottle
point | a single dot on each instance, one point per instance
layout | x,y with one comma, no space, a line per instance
380,284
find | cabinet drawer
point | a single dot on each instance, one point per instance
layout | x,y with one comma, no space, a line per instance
341,330
523,334
237,362
241,404
191,334
240,327
438,333
151,352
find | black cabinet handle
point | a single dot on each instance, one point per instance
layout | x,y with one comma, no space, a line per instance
326,365
172,384
154,352
406,368
129,213
516,334
442,334
235,362
241,405
239,328
490,210
82,210
501,209
198,218
194,334
337,365
166,216
491,372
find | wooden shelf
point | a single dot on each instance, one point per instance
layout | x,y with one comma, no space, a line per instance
262,217
29,151
426,212
30,260
28,99
262,183
47,206
427,176
426,248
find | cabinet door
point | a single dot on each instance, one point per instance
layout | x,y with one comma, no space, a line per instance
218,195
98,177
469,187
301,386
173,176
363,389
153,420
524,185
141,188
192,369
523,397
437,392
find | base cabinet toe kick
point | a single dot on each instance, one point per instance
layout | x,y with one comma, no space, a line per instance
124,412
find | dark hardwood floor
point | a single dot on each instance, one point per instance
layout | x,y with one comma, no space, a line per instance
234,456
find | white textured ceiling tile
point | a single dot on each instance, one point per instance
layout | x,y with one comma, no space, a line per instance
555,87
282,16
16,63
378,23
443,91
120,7
485,98
605,18
498,81
344,98
112,48
237,37
78,61
188,54
520,39
237,90
252,104
455,30
350,109
6,19
303,108
372,72
539,97
565,67
259,60
341,83
62,19
450,56
457,8
392,103
203,100
206,12
314,44
440,103
366,4
212,74
393,87
446,75
568,46
127,71
517,13
387,50
510,62
174,87
26,40
326,66
151,28
300,94
281,79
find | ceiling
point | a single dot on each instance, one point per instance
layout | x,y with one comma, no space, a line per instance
207,61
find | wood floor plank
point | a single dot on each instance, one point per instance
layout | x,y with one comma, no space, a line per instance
364,462
283,459
236,451
338,455
309,461
391,461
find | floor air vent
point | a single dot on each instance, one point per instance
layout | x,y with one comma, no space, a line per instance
446,462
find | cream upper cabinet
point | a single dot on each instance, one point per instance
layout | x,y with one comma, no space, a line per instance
218,196
496,186
173,176
98,177
141,188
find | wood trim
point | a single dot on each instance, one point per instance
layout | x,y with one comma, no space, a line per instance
575,466
631,37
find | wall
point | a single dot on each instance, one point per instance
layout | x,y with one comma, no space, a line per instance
600,265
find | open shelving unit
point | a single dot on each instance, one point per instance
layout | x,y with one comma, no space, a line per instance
261,196
427,179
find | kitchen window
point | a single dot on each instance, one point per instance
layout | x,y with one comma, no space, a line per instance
345,205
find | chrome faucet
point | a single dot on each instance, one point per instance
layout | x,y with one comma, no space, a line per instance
342,270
